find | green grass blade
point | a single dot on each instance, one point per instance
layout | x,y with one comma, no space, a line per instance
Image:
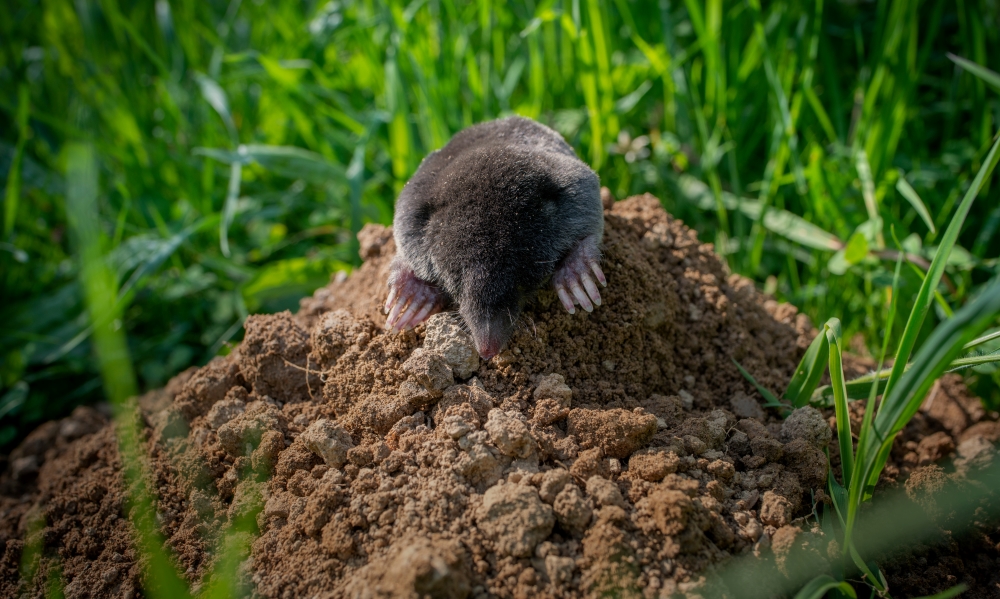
856,485
902,401
864,170
954,591
213,93
770,401
12,194
859,388
229,208
808,372
115,365
781,222
846,444
991,78
818,587
936,270
906,190
982,340
839,496
873,575
962,363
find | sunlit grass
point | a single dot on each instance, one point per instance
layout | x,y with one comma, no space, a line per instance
243,145
236,147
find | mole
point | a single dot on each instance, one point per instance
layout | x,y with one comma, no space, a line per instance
486,220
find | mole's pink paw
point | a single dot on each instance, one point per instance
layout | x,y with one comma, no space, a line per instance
411,300
574,278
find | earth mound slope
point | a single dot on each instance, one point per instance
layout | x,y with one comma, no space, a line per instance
615,450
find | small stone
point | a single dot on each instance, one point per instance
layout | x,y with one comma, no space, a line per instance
745,406
478,464
225,410
456,427
559,569
446,336
653,464
618,432
416,395
429,369
807,423
775,510
515,518
553,482
573,511
553,386
329,441
510,435
604,492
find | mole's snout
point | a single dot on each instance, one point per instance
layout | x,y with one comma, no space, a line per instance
487,345
489,331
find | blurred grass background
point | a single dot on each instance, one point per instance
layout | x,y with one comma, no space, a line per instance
241,144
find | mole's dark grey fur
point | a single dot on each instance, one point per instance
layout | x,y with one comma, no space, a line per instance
486,220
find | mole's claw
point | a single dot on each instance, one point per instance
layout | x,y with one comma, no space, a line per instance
393,318
407,317
581,297
565,299
411,299
591,288
393,292
594,266
422,314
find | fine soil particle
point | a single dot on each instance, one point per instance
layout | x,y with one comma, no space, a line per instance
614,452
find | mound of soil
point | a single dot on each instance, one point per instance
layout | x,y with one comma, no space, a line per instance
619,451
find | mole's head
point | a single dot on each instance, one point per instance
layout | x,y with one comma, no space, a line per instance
499,222
491,301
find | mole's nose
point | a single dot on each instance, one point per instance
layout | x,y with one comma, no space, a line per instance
488,347
487,353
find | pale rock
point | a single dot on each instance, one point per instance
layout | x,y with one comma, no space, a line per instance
446,336
329,441
515,518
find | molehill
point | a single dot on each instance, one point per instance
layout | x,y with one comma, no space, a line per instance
615,450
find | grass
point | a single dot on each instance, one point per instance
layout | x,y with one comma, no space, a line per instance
904,390
170,168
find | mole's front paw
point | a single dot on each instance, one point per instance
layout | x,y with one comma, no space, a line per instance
574,278
411,300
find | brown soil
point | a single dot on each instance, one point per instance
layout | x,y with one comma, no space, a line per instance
619,451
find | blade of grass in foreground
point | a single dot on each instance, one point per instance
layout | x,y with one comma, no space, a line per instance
818,588
993,79
770,401
115,365
846,444
903,401
808,373
12,195
936,270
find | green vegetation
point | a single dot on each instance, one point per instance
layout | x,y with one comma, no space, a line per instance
170,167
239,146
902,393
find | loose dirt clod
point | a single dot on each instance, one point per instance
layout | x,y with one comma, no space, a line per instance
617,451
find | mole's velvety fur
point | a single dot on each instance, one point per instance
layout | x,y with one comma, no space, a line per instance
486,220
